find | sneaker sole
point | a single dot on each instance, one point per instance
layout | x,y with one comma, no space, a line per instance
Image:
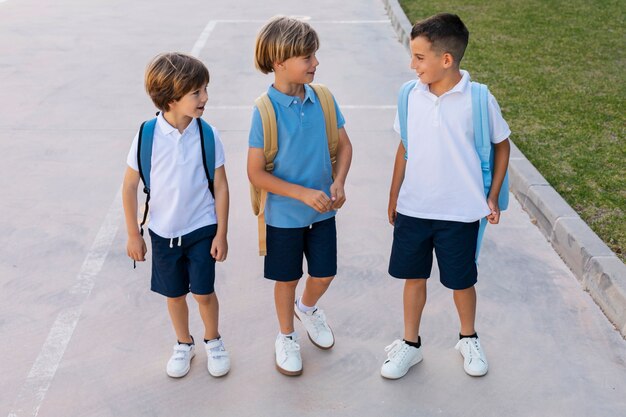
219,375
288,373
313,341
185,372
398,377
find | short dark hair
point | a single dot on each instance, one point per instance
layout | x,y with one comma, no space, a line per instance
171,75
446,32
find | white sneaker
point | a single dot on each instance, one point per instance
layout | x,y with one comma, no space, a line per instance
475,361
400,358
180,362
288,360
316,327
218,360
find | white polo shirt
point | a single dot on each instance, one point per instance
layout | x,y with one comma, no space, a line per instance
180,200
443,178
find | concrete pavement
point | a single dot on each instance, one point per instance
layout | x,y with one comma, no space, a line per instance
82,334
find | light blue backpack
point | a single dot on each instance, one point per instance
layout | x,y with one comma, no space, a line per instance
482,141
144,157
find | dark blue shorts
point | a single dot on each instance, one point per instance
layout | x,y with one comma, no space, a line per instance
454,243
286,247
178,270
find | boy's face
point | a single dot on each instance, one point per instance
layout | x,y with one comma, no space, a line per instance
191,104
298,69
430,65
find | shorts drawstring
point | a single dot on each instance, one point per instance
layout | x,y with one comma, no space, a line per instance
180,241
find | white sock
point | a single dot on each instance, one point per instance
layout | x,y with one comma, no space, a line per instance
304,308
293,335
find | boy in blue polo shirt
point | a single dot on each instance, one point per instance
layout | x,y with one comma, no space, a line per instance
437,196
302,196
188,223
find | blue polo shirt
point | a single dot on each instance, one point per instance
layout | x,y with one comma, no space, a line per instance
302,156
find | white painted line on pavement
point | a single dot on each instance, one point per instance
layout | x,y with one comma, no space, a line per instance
197,47
33,392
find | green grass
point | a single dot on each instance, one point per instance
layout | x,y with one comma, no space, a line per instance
558,71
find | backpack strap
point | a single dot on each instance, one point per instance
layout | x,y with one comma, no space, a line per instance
403,111
270,149
144,162
330,117
207,141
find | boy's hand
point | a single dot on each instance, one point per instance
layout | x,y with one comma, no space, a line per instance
494,217
337,195
136,248
391,213
317,200
219,248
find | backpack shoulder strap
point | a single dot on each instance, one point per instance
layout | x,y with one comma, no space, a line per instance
207,141
330,117
480,119
270,131
403,111
144,151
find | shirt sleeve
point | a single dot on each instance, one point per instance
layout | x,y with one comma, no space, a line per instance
396,124
220,158
498,126
131,159
340,119
255,139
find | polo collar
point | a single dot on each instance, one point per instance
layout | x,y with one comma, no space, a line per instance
167,128
458,88
285,100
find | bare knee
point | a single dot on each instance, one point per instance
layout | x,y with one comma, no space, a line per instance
324,282
415,284
177,300
205,299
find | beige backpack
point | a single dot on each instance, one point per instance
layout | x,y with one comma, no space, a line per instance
270,148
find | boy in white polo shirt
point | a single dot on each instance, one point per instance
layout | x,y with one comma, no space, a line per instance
303,195
188,221
437,196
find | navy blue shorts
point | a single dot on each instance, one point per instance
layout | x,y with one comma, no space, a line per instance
286,247
454,244
178,270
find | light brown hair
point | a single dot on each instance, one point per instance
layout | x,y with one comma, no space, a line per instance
171,75
282,38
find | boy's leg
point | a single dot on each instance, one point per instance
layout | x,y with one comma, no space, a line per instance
284,298
465,301
414,299
208,306
314,289
179,314
411,256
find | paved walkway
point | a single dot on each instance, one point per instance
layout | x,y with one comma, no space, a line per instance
83,336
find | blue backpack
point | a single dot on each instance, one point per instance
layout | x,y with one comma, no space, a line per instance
482,142
144,157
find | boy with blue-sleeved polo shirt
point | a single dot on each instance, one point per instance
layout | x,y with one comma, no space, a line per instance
304,190
188,212
437,195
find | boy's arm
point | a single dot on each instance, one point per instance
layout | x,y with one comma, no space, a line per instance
262,179
219,248
396,181
342,166
136,246
500,164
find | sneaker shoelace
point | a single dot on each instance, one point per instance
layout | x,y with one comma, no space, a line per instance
396,351
474,349
318,318
290,347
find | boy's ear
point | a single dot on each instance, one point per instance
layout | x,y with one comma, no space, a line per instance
448,60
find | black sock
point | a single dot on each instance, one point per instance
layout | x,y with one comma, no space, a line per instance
415,345
188,344
473,336
217,338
